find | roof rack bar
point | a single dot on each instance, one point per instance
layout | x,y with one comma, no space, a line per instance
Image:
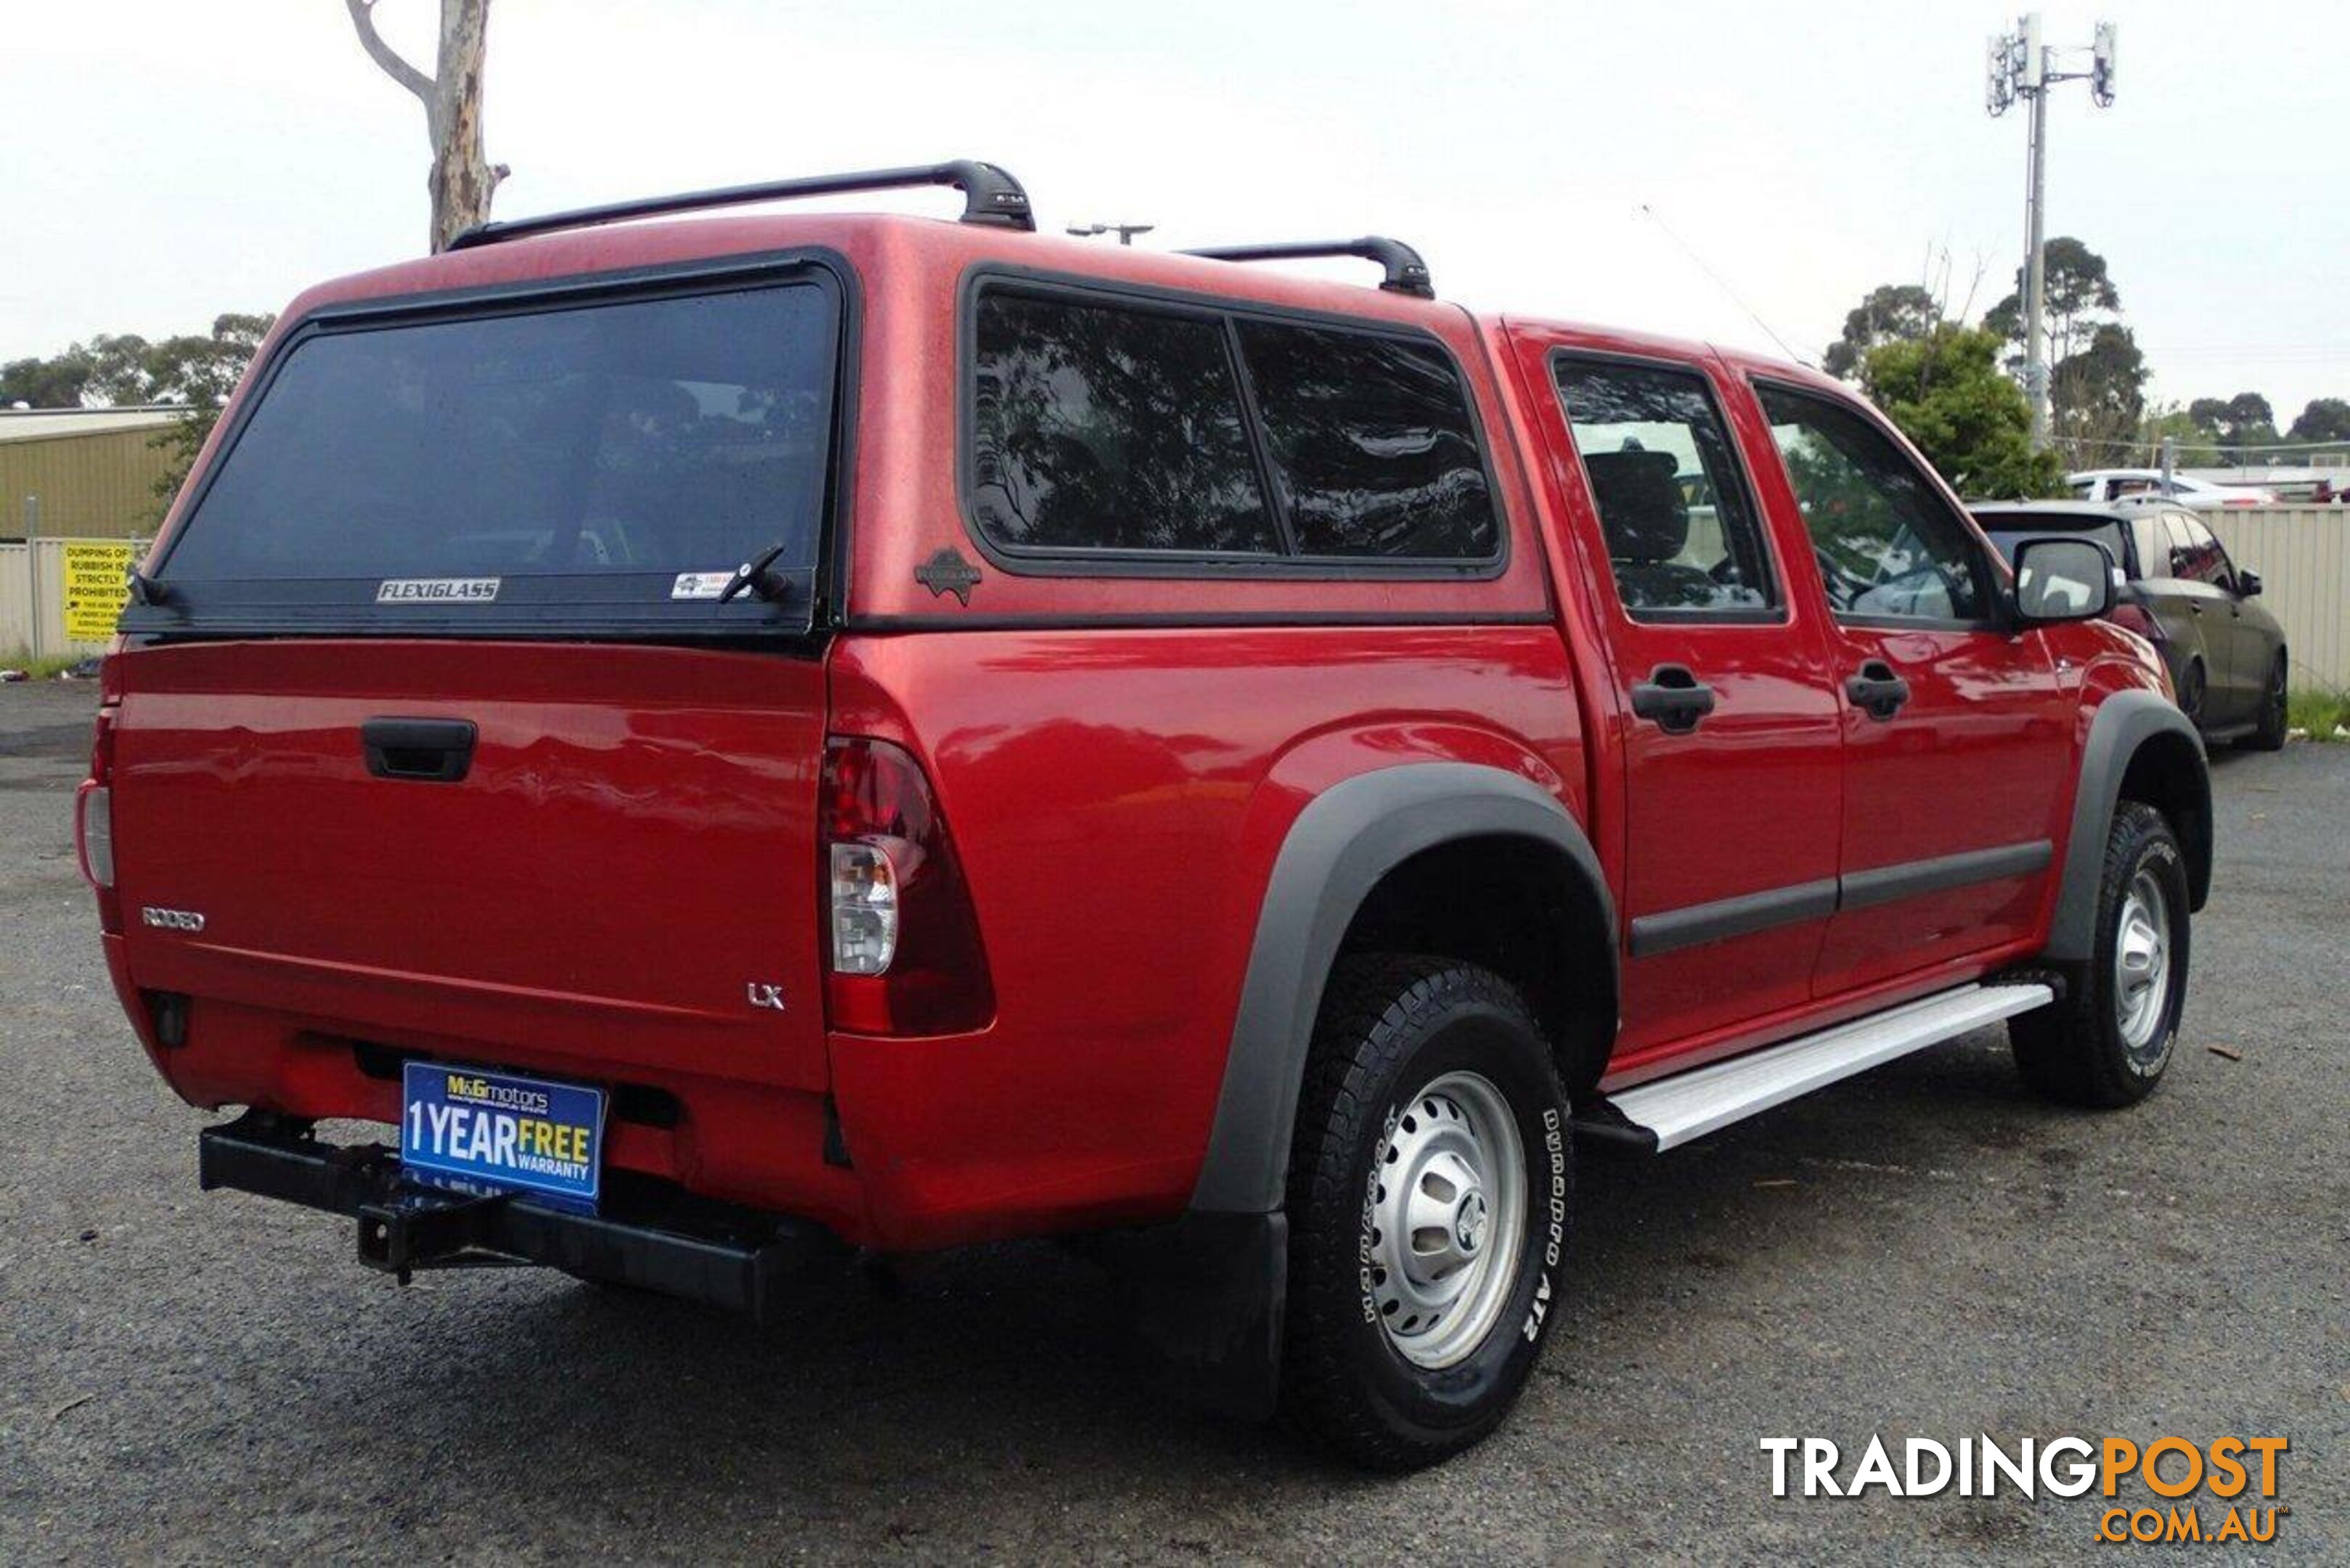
1406,273
990,196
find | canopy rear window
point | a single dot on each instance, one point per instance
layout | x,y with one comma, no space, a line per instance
574,468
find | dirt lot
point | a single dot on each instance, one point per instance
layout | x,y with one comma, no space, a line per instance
1922,1251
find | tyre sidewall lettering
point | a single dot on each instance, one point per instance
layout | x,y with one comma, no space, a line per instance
2162,856
1554,1202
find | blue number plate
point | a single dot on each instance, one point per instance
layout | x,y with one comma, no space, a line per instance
497,1130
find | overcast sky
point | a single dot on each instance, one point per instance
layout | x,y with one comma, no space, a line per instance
167,160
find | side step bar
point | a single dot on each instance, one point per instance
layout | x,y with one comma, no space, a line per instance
1668,1112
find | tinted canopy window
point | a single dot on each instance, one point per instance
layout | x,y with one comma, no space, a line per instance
1371,445
1103,425
587,454
1102,428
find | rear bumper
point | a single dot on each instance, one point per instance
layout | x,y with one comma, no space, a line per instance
649,1238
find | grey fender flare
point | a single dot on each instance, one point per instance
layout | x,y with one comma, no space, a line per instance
1344,840
2125,721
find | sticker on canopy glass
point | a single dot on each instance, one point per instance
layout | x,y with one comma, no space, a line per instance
699,585
436,590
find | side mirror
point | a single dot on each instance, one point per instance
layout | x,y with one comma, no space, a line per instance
2063,579
2248,583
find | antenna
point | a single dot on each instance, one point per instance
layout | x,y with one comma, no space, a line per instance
1722,283
2101,73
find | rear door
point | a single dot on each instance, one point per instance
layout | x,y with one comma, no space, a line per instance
2236,647
1958,739
439,731
1727,720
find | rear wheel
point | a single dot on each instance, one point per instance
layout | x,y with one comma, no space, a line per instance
1428,1185
2269,736
2107,1041
2191,688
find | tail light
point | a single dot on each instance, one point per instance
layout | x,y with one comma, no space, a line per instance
905,955
2135,617
94,821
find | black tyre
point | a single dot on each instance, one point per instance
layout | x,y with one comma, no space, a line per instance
1429,1181
2108,1040
2269,735
2191,691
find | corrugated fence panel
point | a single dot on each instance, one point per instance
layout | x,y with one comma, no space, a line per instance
16,582
16,625
2303,555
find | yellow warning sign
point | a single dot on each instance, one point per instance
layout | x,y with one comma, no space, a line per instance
95,589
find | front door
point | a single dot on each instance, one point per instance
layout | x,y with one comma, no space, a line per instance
1725,711
1956,735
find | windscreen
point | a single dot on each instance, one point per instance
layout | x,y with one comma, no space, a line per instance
593,464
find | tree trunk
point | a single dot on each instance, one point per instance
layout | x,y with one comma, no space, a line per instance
462,182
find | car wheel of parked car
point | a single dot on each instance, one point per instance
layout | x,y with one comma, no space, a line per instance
2106,1042
2269,734
2190,692
1428,1184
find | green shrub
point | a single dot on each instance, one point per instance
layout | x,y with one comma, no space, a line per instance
2320,713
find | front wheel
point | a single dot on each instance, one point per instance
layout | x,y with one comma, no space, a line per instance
1428,1185
2108,1040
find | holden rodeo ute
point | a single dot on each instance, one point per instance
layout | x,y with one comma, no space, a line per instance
759,734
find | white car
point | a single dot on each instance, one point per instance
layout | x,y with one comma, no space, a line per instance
2115,484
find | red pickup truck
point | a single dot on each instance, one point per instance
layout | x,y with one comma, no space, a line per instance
749,736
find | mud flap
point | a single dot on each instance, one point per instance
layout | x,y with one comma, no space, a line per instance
1206,1294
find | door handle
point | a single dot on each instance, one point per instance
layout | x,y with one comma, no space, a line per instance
1672,697
435,751
2194,609
1876,690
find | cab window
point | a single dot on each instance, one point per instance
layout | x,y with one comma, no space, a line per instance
1889,548
1683,540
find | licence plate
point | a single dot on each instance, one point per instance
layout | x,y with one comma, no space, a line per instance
499,1130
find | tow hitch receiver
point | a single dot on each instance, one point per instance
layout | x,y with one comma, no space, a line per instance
418,1230
656,1239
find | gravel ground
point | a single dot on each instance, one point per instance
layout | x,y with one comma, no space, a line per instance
1923,1251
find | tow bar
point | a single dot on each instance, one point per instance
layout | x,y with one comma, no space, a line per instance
657,1238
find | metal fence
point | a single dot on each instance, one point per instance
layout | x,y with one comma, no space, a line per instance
34,594
2303,555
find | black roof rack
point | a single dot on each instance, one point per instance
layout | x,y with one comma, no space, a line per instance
990,196
1406,273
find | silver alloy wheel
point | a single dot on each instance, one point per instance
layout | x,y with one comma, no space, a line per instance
1448,1219
2142,963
